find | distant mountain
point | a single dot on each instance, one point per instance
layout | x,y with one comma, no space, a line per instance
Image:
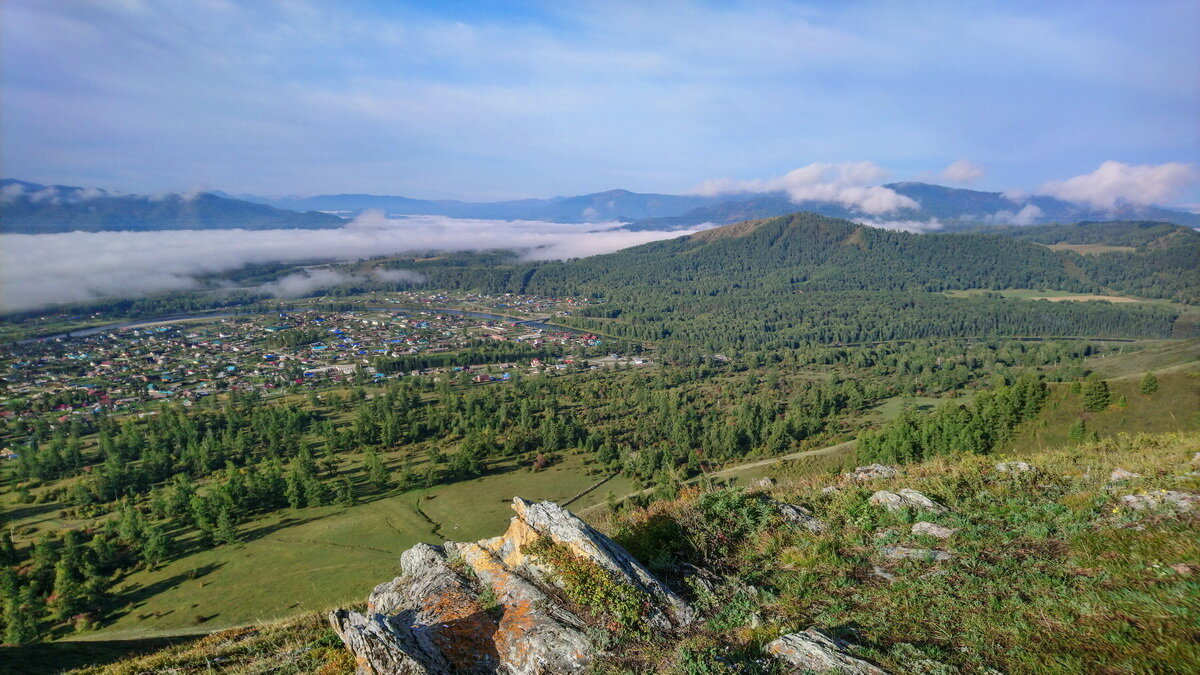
952,207
613,205
31,208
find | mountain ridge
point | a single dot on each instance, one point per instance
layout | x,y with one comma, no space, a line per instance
33,208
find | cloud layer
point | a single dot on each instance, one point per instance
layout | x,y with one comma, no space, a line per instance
1115,183
38,270
963,172
849,184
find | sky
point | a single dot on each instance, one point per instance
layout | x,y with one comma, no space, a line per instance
1093,100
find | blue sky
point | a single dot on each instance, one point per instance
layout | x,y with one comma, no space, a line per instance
507,100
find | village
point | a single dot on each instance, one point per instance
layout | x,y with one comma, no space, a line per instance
131,369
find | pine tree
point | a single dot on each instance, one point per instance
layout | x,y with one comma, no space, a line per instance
8,550
1078,430
22,614
157,546
377,473
225,531
1096,396
68,596
1149,383
345,492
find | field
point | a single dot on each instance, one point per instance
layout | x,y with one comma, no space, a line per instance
1036,294
1174,407
319,558
1091,249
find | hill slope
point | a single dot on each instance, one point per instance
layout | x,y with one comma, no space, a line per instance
1052,569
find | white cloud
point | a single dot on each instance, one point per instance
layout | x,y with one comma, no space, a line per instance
847,183
11,192
305,282
398,275
962,172
914,226
37,270
1116,183
1028,215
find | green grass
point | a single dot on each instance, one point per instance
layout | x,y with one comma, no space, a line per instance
891,408
1048,574
1174,407
318,558
1158,356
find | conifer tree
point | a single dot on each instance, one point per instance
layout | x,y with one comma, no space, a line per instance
377,473
68,596
1149,383
1096,396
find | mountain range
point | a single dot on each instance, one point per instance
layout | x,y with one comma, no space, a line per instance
34,208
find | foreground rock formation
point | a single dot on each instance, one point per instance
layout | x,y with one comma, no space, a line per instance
493,607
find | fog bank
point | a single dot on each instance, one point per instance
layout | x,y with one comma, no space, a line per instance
39,270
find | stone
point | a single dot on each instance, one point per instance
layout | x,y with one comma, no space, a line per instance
798,515
906,499
817,651
905,553
1118,474
933,530
762,484
433,619
873,471
427,621
883,574
1171,500
1013,467
830,490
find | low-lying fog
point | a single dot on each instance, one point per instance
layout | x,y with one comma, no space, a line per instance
39,270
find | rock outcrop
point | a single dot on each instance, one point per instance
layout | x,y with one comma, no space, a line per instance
491,607
871,471
1014,467
1167,500
799,516
906,553
816,651
906,499
933,530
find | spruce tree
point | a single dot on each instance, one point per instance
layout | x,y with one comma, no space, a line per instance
377,473
1149,383
1096,396
68,596
22,614
1078,430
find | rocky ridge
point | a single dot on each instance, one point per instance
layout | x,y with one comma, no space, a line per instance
493,606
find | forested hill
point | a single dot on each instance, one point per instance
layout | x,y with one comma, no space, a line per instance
1149,259
772,284
807,252
1134,233
30,208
